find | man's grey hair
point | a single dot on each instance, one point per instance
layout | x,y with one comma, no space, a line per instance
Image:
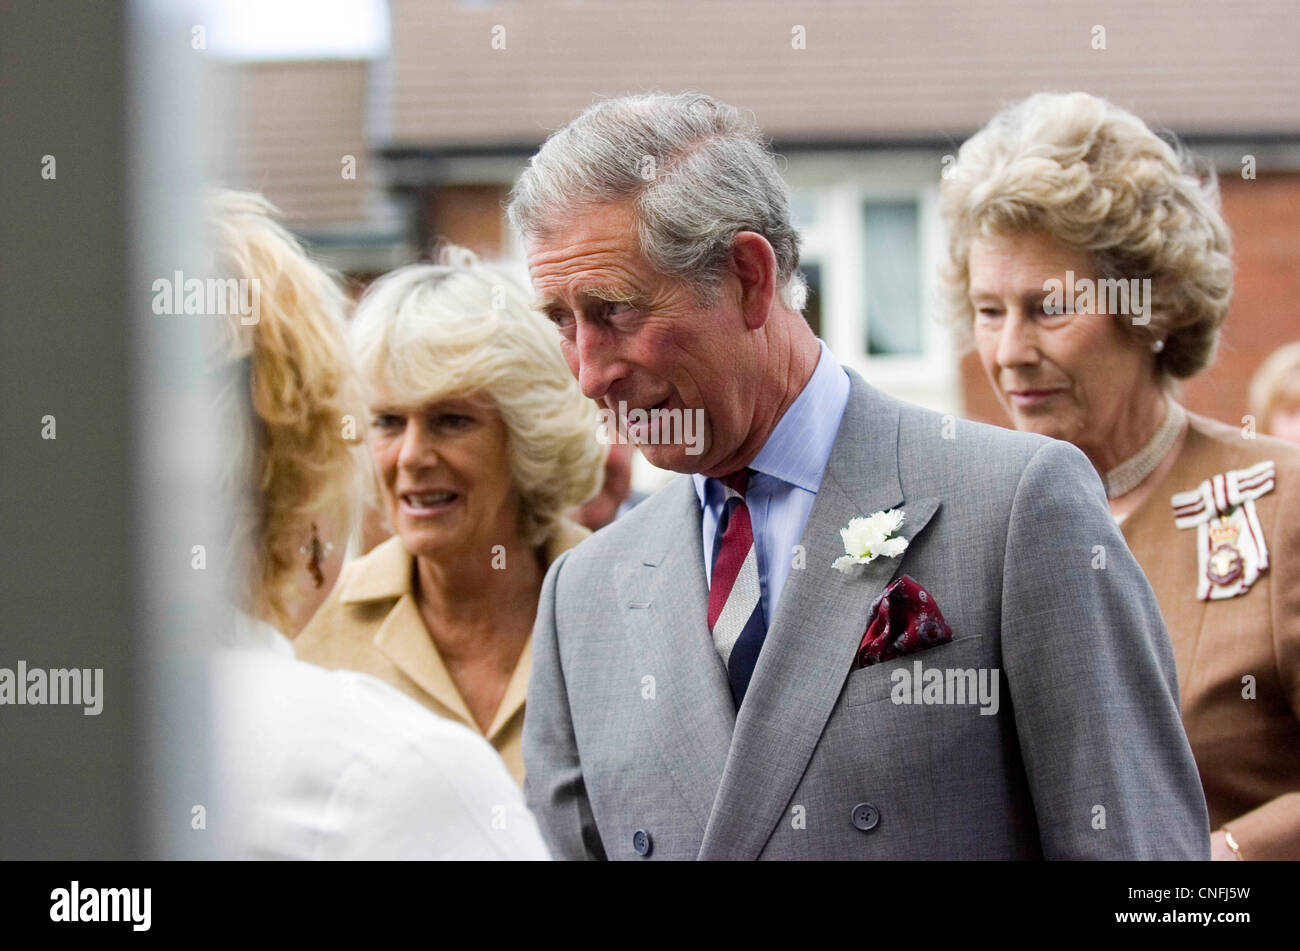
696,170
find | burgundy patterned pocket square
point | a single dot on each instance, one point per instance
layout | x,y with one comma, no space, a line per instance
904,619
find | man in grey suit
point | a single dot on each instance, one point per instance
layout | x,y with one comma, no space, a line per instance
718,707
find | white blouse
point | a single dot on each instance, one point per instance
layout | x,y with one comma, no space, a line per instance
335,764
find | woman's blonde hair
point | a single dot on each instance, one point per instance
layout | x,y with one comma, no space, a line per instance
460,328
1094,177
303,412
1275,385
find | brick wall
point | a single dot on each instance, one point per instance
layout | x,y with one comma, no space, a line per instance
468,215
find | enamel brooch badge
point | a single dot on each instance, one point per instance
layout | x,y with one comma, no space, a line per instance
1230,549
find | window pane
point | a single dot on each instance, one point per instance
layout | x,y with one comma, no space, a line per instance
803,209
893,248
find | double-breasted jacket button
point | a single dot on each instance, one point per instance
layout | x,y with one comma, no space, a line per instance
865,816
641,843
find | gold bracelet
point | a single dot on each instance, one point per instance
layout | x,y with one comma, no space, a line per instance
1232,844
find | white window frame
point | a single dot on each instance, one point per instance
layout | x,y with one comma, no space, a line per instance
837,185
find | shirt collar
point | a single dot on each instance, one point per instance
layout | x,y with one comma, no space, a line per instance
383,573
800,444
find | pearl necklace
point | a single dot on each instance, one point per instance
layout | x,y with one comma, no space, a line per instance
1128,475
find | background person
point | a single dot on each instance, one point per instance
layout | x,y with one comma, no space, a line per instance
616,496
1275,394
480,441
1071,183
314,763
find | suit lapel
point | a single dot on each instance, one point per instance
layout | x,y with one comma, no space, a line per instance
663,598
818,623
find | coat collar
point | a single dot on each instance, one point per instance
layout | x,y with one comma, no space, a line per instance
386,573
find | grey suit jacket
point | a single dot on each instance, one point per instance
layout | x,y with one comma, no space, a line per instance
630,727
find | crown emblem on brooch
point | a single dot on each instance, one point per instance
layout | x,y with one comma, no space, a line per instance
1223,532
1226,564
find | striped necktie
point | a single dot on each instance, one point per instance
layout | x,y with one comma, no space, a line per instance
735,602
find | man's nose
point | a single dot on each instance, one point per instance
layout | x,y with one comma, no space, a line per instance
1018,342
597,366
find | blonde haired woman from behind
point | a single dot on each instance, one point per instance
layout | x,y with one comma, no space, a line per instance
315,763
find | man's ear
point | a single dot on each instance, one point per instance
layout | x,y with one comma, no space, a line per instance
753,262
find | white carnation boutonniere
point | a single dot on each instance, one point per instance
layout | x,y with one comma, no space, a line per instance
869,538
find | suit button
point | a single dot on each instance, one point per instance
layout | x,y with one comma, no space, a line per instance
866,816
641,842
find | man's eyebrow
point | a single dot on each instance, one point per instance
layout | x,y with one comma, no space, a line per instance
610,293
606,292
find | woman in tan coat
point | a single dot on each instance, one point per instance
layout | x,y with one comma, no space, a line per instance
480,439
1090,266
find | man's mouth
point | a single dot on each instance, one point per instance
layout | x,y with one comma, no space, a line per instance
614,406
638,430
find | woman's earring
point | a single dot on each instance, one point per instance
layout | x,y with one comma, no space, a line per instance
317,551
1157,346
